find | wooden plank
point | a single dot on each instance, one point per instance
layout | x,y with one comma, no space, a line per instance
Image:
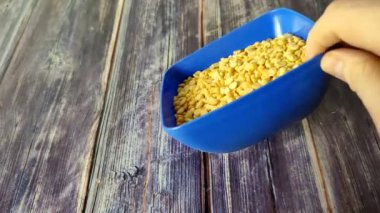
138,168
345,143
303,188
50,103
240,181
281,174
348,149
14,16
296,181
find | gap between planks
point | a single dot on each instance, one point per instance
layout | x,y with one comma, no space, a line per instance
316,165
148,157
89,167
206,183
205,166
270,175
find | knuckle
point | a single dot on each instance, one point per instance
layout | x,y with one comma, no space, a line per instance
333,6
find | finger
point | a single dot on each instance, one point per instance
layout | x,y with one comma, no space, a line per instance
321,37
352,22
361,71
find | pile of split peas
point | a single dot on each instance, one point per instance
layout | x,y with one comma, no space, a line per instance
240,73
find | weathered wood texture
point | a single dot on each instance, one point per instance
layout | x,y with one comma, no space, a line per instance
346,143
79,88
348,151
137,167
277,175
14,16
241,181
50,104
296,179
237,182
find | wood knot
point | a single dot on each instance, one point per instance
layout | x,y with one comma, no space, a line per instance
130,175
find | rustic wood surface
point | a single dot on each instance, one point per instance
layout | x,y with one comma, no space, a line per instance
138,168
349,160
14,16
51,98
80,124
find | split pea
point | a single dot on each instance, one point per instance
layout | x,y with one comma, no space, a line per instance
237,75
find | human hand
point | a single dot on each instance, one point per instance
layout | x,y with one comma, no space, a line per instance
356,24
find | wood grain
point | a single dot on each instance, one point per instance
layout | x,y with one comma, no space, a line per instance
50,102
294,179
237,182
348,148
241,181
79,97
138,168
14,16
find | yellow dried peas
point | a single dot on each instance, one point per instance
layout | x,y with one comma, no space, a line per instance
242,72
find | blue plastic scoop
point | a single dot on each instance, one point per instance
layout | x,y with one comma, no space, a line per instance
258,114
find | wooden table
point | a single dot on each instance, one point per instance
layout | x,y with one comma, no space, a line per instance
80,124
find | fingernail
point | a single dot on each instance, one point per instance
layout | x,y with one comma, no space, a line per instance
333,65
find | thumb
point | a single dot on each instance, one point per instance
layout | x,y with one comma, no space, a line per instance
361,71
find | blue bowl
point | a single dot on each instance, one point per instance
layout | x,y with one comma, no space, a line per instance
259,114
